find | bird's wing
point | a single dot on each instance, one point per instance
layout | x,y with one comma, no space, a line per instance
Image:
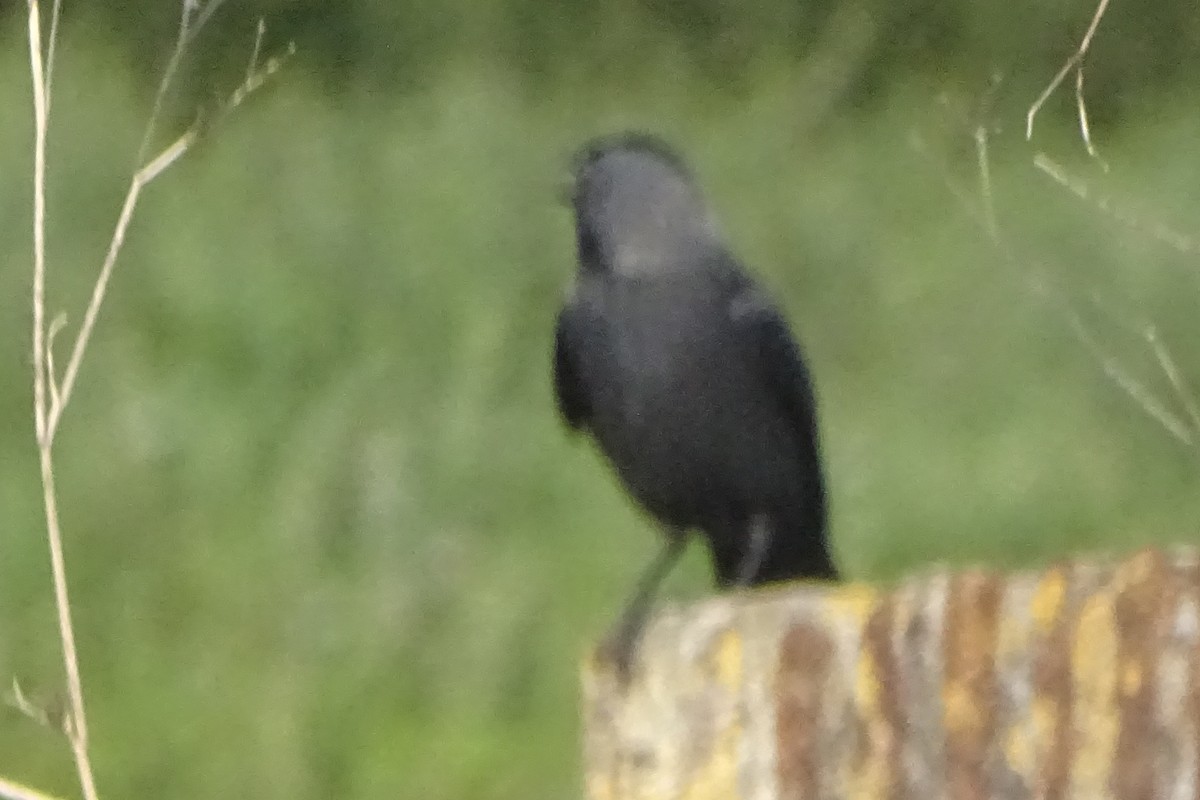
779,360
569,389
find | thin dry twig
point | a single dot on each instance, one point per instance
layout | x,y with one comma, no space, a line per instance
56,325
21,702
76,719
192,18
168,78
259,31
1085,129
50,397
140,180
1135,389
1152,228
52,48
1075,61
1187,398
1147,333
203,15
40,118
1184,430
256,76
983,212
11,790
985,183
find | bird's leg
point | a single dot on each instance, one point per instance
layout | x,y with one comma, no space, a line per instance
621,644
756,553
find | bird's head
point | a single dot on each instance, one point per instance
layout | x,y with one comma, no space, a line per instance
637,208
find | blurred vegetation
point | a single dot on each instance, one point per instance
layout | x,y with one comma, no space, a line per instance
326,535
384,46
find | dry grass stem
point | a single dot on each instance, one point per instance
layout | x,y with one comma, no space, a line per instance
139,181
1075,61
77,719
1085,130
1148,333
980,208
21,702
1184,393
40,118
204,13
52,49
256,76
259,31
56,325
983,163
1152,228
168,78
51,397
1137,391
11,790
192,18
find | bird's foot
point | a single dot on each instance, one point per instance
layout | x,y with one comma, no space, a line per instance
619,648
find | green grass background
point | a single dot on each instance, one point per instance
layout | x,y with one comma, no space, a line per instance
325,534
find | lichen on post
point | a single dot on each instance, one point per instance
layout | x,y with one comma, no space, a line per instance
1077,682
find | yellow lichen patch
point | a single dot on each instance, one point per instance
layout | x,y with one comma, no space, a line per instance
1019,751
727,659
869,774
863,774
1048,599
599,786
1031,744
1043,721
717,777
961,709
1093,665
715,773
866,685
855,601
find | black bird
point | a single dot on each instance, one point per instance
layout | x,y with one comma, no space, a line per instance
686,375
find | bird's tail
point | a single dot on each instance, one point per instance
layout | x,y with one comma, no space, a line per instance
771,549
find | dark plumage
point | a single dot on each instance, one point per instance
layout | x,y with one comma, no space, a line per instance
686,375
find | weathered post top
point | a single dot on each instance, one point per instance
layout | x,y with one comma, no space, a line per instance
1079,682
